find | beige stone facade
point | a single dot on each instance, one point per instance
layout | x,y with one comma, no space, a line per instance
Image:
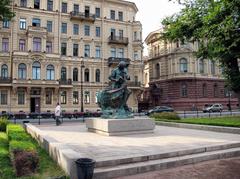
47,45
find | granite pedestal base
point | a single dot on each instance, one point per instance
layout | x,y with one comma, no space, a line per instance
118,127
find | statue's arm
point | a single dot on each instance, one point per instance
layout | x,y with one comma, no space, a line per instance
112,77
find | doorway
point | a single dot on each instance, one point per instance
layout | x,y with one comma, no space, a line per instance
35,105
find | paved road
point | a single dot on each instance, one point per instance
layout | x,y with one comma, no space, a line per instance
217,169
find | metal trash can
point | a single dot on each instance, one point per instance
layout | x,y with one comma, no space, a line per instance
85,168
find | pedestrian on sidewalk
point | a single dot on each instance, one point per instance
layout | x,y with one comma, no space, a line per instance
58,114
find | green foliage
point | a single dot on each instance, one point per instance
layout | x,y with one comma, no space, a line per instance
215,25
165,115
5,10
21,145
3,124
19,136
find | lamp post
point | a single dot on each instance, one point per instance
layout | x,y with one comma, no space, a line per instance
82,66
229,100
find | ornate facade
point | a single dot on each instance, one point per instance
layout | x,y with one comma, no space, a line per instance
178,79
50,47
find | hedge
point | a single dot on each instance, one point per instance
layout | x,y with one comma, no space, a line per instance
3,124
165,115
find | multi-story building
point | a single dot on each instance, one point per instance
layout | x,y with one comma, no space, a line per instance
178,79
53,47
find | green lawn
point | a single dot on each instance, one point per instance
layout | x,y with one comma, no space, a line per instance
218,121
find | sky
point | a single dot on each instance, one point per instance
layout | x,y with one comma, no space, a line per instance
151,12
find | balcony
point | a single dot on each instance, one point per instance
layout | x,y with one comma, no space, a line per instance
115,61
5,80
134,84
36,29
65,83
118,40
82,16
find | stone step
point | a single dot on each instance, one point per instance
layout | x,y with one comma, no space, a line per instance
143,158
159,164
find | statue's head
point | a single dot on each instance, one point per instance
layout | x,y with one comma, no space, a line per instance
122,65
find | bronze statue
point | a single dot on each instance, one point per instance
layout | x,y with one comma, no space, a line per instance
113,99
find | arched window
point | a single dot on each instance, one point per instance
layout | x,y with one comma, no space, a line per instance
183,65
36,71
204,90
157,68
63,73
212,67
22,71
184,90
75,74
50,72
215,90
201,66
97,75
4,71
86,75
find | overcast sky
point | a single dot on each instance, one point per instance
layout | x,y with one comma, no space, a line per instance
151,12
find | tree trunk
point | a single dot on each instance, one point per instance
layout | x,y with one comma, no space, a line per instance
238,96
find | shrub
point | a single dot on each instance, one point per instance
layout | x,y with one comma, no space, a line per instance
165,115
14,128
19,136
21,145
3,124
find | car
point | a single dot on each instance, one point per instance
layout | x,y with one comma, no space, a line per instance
159,109
213,108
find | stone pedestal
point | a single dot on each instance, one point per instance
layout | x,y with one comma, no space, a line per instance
118,127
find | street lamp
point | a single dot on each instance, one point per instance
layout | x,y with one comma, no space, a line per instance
82,66
229,100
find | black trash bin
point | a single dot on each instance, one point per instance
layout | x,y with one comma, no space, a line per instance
85,168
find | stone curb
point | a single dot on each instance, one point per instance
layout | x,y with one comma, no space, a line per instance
233,130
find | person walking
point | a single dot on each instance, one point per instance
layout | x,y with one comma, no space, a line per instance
58,114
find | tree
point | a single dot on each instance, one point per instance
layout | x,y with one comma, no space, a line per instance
5,10
215,25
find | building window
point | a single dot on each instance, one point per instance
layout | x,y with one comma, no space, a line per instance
87,11
75,74
76,8
49,26
64,28
21,97
22,24
86,75
49,47
96,95
121,34
157,68
113,33
37,44
87,51
63,97
204,90
86,97
135,55
87,30
22,69
5,44
22,45
97,75
113,52
64,7
4,96
201,66
120,16
98,32
75,97
6,23
75,50
48,97
4,71
75,29
183,65
213,67
50,5
23,3
36,71
97,12
121,53
135,36
112,14
215,91
64,74
50,72
184,90
64,49
98,51
36,4
36,22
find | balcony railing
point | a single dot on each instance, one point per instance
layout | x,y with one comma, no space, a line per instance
118,40
83,16
5,80
65,82
115,60
134,84
37,29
